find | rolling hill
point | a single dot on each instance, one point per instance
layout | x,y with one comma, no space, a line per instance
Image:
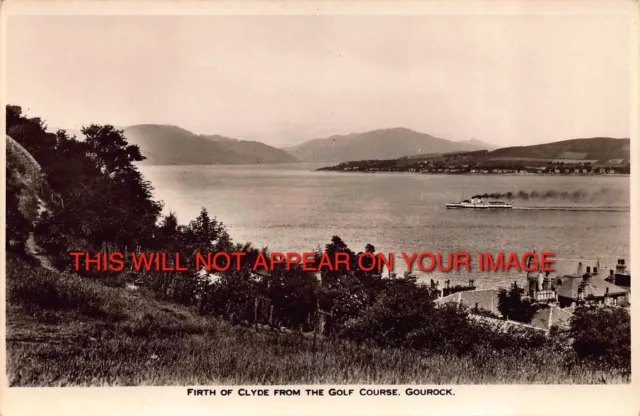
377,144
601,152
595,148
172,145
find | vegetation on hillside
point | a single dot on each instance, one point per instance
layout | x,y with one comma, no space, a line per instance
512,305
65,330
176,327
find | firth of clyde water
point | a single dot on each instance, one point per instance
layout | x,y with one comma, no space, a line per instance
293,208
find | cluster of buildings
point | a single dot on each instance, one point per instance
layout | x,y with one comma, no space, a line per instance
498,165
587,286
558,295
543,170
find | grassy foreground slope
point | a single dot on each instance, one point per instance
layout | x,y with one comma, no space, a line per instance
66,330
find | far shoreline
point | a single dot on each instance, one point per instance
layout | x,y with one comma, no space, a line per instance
473,174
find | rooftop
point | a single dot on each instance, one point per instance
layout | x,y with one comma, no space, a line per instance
551,316
486,299
568,286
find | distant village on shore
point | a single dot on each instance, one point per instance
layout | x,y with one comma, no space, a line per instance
613,167
595,156
556,296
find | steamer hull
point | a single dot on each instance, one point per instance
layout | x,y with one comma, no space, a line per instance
478,203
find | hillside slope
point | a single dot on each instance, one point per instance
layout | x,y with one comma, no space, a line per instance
376,144
26,181
108,332
172,145
595,148
255,152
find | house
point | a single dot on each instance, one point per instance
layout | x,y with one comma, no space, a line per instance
588,288
581,288
621,277
540,288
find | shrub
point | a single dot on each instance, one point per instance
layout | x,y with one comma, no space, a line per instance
603,335
401,307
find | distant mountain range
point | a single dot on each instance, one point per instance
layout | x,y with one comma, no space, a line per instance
378,144
172,145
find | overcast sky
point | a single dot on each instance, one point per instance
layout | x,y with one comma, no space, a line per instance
506,80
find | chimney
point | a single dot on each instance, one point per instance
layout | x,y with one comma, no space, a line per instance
588,270
540,281
595,271
610,272
579,269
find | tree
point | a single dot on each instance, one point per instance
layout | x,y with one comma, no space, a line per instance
293,294
206,235
512,306
333,277
170,234
402,307
106,199
109,149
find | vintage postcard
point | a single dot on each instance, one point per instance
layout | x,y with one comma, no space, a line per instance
320,208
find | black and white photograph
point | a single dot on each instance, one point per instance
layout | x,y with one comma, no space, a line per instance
319,199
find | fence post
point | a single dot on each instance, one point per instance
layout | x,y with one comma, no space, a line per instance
316,322
255,313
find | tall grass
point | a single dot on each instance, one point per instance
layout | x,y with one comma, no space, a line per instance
63,330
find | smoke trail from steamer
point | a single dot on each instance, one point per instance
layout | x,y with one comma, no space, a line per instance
576,195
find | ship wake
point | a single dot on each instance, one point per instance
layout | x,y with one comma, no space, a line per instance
561,208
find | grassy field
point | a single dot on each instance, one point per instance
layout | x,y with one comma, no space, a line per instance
64,330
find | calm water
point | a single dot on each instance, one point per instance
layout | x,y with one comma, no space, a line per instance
292,208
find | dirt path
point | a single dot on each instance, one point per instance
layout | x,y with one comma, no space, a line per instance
34,250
